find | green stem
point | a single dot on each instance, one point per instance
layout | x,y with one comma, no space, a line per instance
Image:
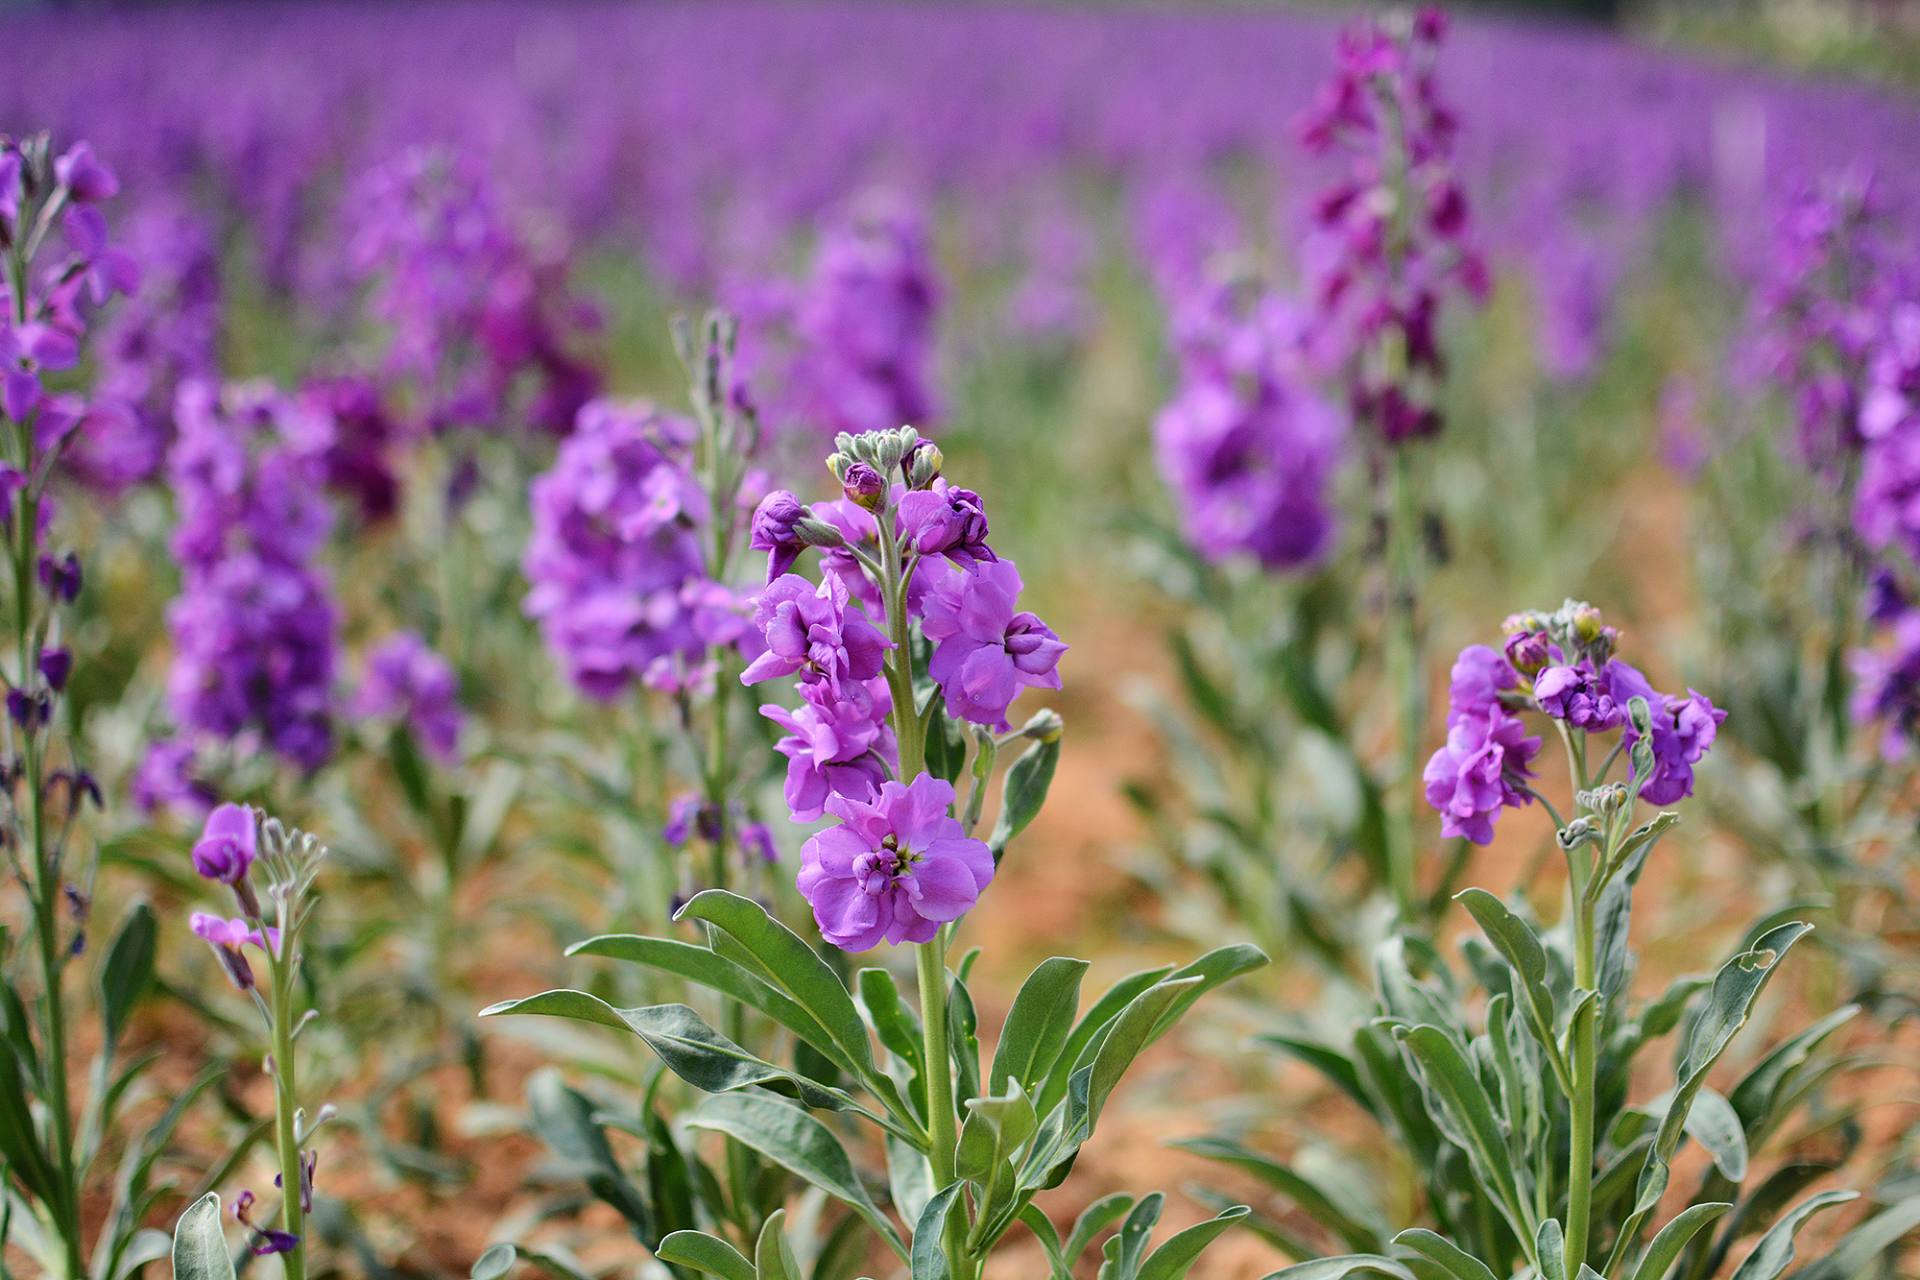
286,1104
942,1124
1403,658
1585,1064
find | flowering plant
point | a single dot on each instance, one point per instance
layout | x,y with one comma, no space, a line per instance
908,652
1534,1150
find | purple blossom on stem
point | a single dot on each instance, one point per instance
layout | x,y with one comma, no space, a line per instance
1481,770
985,649
896,868
227,845
810,631
1887,686
946,520
835,744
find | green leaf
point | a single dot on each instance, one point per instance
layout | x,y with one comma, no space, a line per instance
1172,1260
1550,1245
1091,1024
1466,1114
789,965
1043,1231
1672,1240
1338,1268
1094,1219
498,1261
1127,1037
1713,1123
1038,1024
946,746
693,1050
1753,1098
1450,1257
199,1246
1127,1246
1023,792
797,1142
704,1253
127,971
1860,1247
772,1256
928,1261
896,1023
1774,1253
1303,1191
1339,1069
563,1117
1524,953
995,1131
1218,966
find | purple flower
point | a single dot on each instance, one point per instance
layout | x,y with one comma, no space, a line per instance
1581,696
895,869
809,630
56,665
773,531
835,744
946,520
756,842
1683,731
166,779
1529,651
1888,686
864,487
985,651
1479,677
265,1240
87,180
406,680
1481,770
227,844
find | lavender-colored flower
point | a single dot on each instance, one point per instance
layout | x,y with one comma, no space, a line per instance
985,649
811,631
946,520
895,869
1887,688
167,779
1581,696
773,532
835,744
227,845
1481,770
614,541
1683,731
1479,677
756,843
406,680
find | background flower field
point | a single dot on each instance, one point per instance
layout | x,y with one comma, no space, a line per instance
390,474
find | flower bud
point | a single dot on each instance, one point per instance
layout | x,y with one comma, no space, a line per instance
1529,652
812,531
1045,726
864,486
923,464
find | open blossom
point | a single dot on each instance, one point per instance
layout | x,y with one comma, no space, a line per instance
1581,696
809,630
985,649
1480,675
896,868
946,520
227,846
1683,731
406,680
1481,770
834,744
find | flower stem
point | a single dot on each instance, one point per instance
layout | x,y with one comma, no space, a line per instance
1585,1062
1403,658
285,1105
942,1126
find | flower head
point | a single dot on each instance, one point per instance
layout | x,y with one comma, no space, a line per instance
1481,770
985,649
228,844
812,631
946,520
896,868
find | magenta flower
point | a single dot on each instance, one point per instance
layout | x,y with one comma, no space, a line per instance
809,631
1581,696
87,180
1481,770
946,520
895,869
773,531
226,847
836,745
227,937
1480,676
985,651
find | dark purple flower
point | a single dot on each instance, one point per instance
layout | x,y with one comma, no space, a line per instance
1481,770
945,520
773,531
1529,651
985,649
56,665
87,180
1887,690
895,869
61,577
227,844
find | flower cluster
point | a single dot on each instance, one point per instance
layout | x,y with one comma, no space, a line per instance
408,683
1391,235
254,628
613,561
851,348
1562,665
903,548
1246,444
476,312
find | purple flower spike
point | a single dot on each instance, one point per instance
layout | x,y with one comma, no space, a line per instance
896,868
227,845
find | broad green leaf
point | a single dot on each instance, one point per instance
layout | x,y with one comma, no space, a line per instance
1218,966
1043,1231
1172,1260
1672,1240
199,1245
928,1261
716,972
693,1050
1466,1114
1550,1245
772,1256
909,1178
127,971
1024,791
1338,1268
896,1024
995,1132
1303,1191
788,964
797,1142
1774,1253
1754,1096
1128,1035
704,1253
1444,1253
1713,1124
1524,953
1038,1024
